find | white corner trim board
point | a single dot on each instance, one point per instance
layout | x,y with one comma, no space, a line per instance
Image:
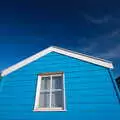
66,52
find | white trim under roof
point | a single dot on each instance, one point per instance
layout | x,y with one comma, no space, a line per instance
66,52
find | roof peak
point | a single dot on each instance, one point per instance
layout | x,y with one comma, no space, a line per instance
70,53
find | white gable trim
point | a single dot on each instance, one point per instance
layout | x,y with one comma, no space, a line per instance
76,55
25,62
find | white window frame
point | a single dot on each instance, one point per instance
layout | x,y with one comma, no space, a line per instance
37,98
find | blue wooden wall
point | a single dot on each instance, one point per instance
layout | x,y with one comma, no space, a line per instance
90,94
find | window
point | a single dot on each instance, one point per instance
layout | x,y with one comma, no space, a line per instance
50,92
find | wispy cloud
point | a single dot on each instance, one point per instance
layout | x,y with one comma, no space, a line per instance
101,20
90,48
105,37
111,53
107,52
114,33
110,35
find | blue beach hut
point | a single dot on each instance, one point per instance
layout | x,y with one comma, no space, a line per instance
60,84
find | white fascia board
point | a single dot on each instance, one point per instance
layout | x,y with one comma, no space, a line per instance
25,62
83,57
58,50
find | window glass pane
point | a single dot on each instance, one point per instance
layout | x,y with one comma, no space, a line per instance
45,83
44,99
57,99
57,82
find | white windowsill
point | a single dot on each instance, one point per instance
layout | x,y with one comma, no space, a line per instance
48,109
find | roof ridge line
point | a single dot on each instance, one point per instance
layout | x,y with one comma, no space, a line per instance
63,51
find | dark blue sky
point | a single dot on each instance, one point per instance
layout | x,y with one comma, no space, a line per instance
89,26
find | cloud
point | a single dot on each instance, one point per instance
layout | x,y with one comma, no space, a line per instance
91,47
111,53
110,35
106,46
114,33
107,36
101,20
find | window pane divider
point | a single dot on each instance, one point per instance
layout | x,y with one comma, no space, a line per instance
56,90
50,90
45,91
